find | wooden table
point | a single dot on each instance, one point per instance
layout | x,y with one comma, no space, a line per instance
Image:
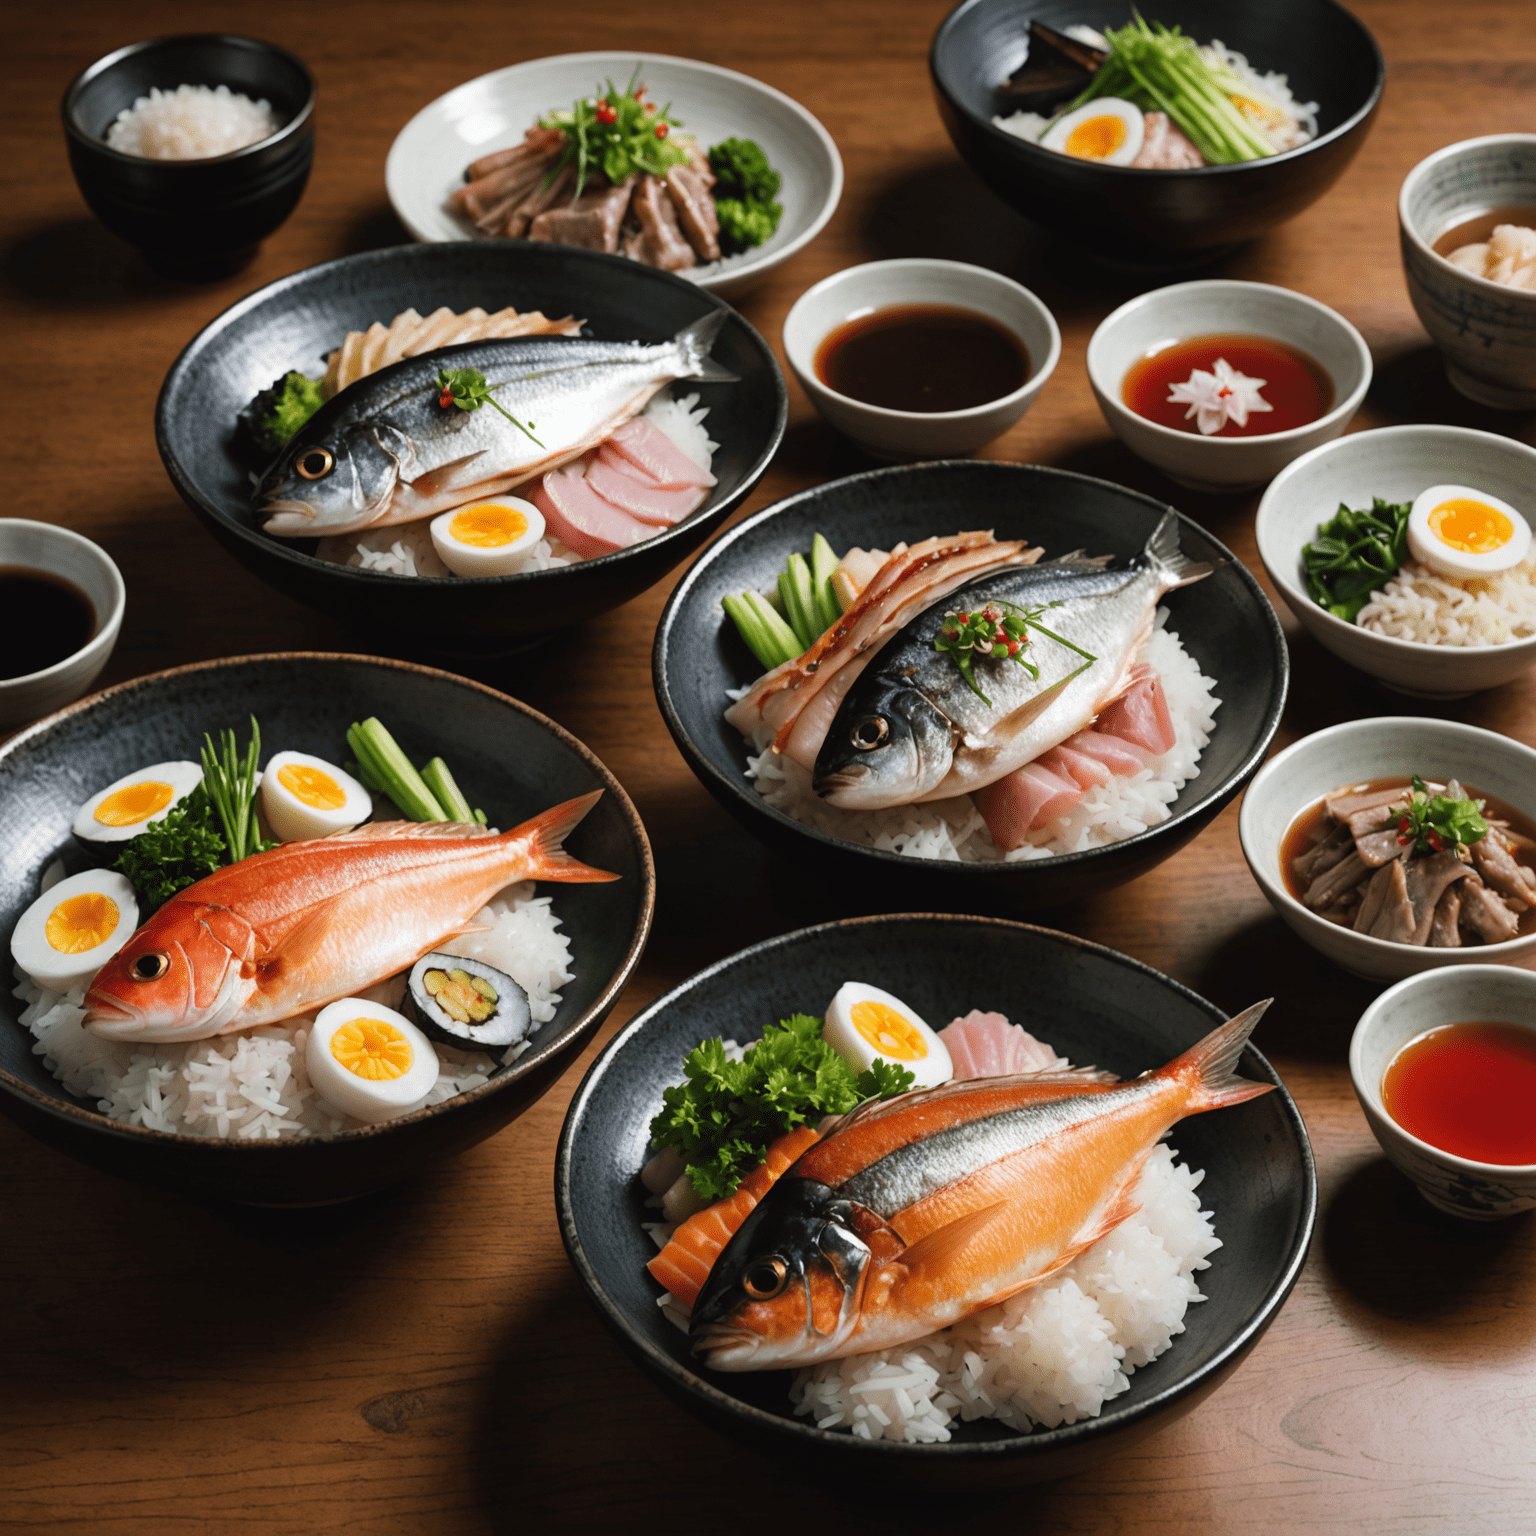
416,1361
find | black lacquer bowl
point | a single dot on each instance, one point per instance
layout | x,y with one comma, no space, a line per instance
1224,621
296,321
1092,1004
1151,219
509,760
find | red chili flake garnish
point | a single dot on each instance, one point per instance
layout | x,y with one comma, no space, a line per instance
1013,647
605,113
964,618
661,130
445,399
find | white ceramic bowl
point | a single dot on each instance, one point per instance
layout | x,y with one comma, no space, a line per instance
1353,753
427,160
1479,994
919,280
1212,306
61,552
1395,463
1485,332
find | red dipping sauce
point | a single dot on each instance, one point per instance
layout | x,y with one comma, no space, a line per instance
1469,1090
1296,388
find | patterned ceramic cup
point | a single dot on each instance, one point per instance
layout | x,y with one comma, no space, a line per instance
1485,332
1491,994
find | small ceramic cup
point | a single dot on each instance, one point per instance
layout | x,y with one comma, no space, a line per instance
59,552
858,291
1485,332
1479,994
1213,306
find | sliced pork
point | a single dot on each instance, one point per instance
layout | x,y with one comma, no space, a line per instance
659,242
592,221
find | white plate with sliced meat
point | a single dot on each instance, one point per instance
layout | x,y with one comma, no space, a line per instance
658,220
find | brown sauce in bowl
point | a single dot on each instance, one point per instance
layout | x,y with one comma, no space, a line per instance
44,619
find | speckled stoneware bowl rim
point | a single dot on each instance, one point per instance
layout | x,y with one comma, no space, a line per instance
312,1146
1030,150
290,130
1039,1441
382,581
1473,736
1476,284
1340,414
104,622
741,789
1469,976
1296,597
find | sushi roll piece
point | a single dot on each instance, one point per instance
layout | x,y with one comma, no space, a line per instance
467,1003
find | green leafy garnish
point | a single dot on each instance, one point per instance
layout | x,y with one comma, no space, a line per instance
174,852
1433,825
296,400
1354,556
744,192
229,777
618,133
1000,631
467,389
725,1114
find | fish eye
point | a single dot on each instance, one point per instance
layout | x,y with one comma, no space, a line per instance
150,966
765,1279
316,463
869,734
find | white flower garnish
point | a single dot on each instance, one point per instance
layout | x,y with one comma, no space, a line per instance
1215,398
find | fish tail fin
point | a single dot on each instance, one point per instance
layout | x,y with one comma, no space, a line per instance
546,834
1213,1060
1175,567
695,340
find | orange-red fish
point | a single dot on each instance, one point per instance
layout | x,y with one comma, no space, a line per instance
289,930
911,1214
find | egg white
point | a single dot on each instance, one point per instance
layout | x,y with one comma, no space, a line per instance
357,1096
60,972
291,819
182,777
1057,135
842,1034
470,560
1460,564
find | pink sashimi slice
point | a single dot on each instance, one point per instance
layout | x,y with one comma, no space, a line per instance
576,514
1140,716
1110,750
616,460
645,444
659,504
1023,800
1088,771
987,1045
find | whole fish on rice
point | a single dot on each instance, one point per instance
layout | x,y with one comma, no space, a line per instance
915,1212
912,729
386,450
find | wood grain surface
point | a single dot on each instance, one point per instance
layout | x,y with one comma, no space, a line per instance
423,1360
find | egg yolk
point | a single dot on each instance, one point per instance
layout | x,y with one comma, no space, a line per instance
312,786
1096,139
373,1049
81,923
1473,527
487,527
888,1031
134,803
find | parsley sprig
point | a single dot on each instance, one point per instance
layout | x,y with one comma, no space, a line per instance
617,133
467,389
1434,824
1000,631
174,852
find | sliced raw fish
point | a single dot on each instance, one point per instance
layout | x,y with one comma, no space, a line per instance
660,504
1024,800
645,445
1121,759
578,516
1088,771
987,1045
1140,716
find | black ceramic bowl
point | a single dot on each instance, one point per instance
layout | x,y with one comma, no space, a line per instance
1225,622
296,321
193,218
1140,218
1092,1005
508,759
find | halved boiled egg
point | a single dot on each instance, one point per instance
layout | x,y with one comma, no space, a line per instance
865,1025
1465,533
303,797
488,538
129,804
74,928
1109,131
369,1061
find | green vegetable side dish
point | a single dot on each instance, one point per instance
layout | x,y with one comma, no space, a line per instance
296,400
618,133
431,795
1432,825
802,608
744,192
1354,555
230,779
725,1114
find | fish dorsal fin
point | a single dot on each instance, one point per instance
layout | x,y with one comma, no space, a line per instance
1067,1076
401,831
931,1255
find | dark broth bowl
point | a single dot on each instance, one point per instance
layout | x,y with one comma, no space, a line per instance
1092,1004
1224,621
1150,219
296,321
508,759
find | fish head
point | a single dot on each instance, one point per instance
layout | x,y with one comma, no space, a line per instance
182,976
887,745
336,480
788,1287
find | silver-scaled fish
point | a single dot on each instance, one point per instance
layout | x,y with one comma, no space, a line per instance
912,728
387,450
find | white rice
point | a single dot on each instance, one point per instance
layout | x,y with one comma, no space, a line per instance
406,548
954,829
1418,604
192,122
253,1085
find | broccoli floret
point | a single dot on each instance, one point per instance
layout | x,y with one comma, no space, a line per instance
744,225
743,171
295,402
